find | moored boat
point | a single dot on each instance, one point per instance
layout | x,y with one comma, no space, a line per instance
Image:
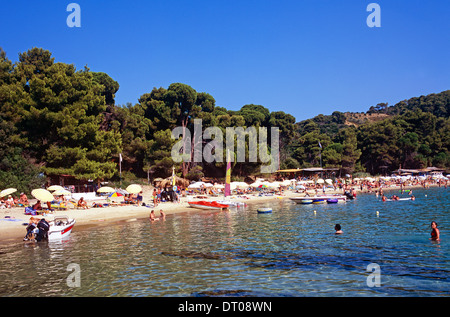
203,204
232,203
60,227
319,199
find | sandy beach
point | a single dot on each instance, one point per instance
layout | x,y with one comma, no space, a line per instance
12,228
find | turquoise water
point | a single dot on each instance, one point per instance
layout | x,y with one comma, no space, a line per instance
290,252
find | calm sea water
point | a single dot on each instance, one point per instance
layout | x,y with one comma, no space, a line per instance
290,252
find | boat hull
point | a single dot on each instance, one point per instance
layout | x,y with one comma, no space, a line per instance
209,205
319,199
60,229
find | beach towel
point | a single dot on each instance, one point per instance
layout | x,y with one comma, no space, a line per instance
30,211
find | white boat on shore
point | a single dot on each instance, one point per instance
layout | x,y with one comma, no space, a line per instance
60,227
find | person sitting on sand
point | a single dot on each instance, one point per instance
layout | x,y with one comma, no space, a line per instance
82,203
37,206
23,199
338,229
9,202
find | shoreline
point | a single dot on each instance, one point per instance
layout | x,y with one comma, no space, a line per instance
13,230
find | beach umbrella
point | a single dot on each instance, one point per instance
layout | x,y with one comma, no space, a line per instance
262,186
255,184
105,189
196,185
273,185
320,181
60,192
115,195
329,181
54,187
134,189
7,192
42,194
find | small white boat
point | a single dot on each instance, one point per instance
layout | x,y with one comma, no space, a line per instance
319,199
232,203
60,227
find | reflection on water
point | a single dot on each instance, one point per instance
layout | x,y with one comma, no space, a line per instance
290,252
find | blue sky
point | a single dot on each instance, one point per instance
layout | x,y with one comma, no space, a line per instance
304,57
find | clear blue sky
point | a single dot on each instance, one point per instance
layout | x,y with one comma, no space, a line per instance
304,57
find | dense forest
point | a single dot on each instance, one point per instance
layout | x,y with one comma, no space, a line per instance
55,119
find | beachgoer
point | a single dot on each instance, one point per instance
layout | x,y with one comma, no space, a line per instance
82,203
383,198
155,198
37,205
152,216
338,229
139,198
163,215
32,230
413,197
9,202
435,234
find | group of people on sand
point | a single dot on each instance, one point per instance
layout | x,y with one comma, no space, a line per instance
11,201
435,234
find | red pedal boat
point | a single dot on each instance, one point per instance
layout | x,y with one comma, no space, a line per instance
203,204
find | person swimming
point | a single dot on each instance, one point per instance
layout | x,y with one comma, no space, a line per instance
338,229
435,234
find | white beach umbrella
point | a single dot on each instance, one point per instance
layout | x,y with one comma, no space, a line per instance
134,189
320,181
42,194
7,192
196,185
60,192
54,187
329,181
106,189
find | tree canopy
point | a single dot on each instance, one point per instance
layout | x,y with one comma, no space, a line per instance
55,119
